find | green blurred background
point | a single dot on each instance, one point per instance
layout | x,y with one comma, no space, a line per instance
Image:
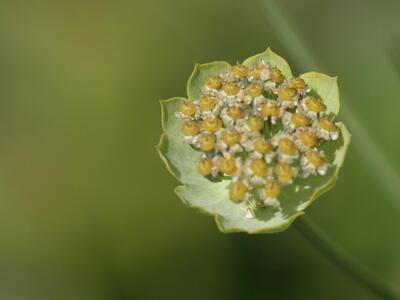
87,209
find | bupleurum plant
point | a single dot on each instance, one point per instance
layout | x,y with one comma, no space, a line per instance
252,144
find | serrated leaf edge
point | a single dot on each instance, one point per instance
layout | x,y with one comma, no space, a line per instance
267,52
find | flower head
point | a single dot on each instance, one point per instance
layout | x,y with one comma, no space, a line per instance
261,131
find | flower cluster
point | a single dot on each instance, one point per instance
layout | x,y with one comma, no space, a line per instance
258,128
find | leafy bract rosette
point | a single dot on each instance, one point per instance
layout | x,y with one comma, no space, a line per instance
252,144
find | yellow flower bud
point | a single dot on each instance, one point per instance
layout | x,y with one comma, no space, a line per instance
231,88
207,102
270,109
236,112
259,167
327,125
256,71
190,128
237,191
297,83
263,146
286,93
211,124
214,82
284,172
315,158
315,105
300,120
286,146
254,90
227,165
231,137
255,123
308,138
187,108
272,189
276,75
204,166
240,71
207,142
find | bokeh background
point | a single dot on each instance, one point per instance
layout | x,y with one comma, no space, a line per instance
87,209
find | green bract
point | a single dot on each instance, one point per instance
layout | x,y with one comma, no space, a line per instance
213,197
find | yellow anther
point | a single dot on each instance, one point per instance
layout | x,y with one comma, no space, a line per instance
231,137
236,112
272,189
214,82
315,105
259,167
187,108
205,166
297,83
276,75
327,125
255,123
207,102
263,146
286,93
270,109
300,120
315,158
190,128
211,124
231,88
257,71
227,165
237,191
240,71
308,139
286,146
254,90
284,172
207,142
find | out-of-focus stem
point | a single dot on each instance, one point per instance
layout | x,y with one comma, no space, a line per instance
340,258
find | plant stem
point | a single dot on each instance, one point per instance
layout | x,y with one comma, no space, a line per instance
340,258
